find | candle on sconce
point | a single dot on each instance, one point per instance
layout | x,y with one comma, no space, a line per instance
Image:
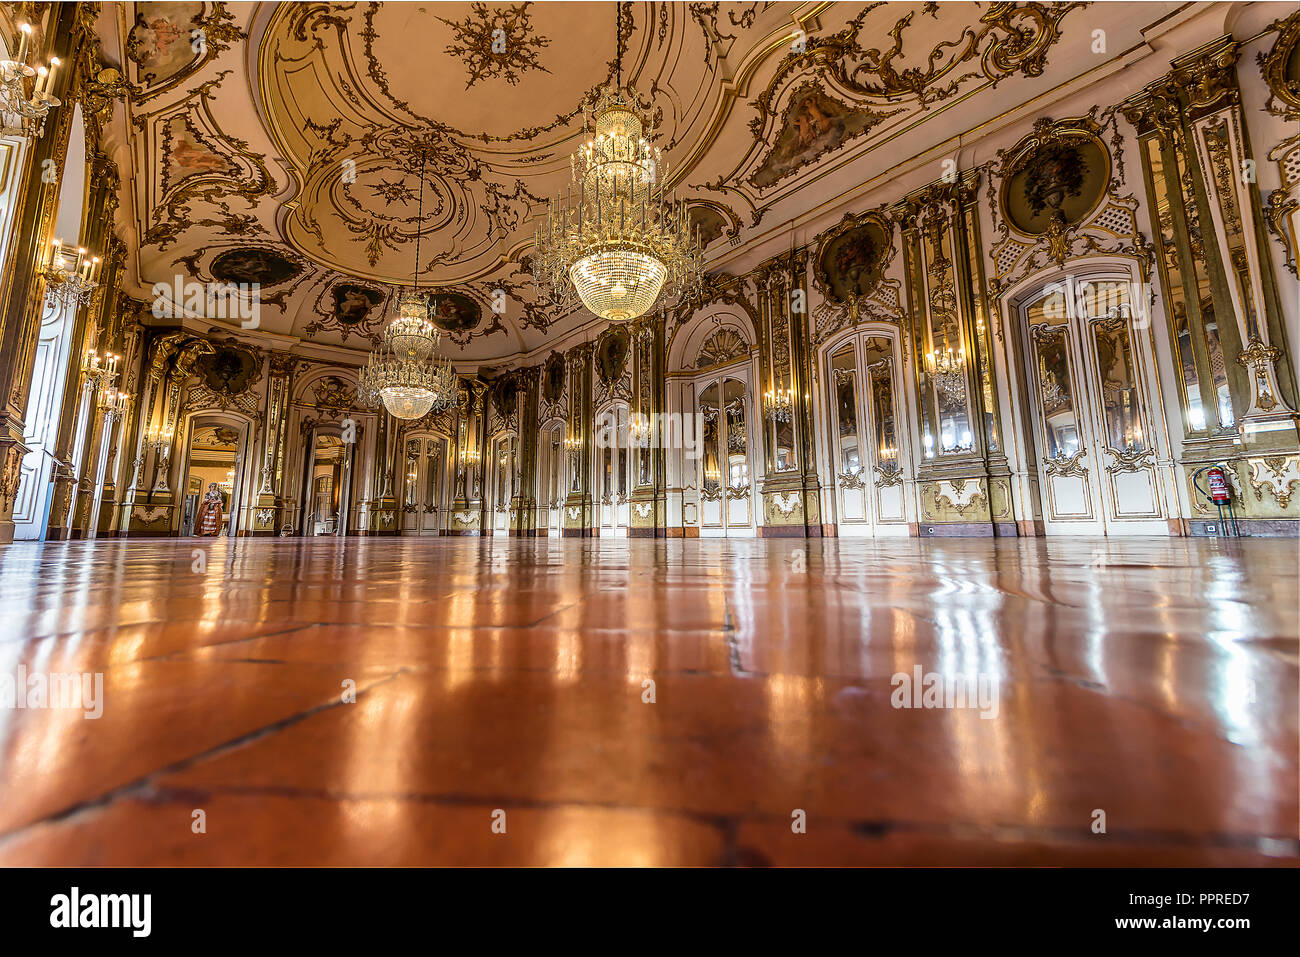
24,34
49,76
41,74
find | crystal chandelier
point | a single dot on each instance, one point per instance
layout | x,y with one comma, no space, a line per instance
622,243
25,115
404,371
949,374
114,403
100,371
69,279
778,404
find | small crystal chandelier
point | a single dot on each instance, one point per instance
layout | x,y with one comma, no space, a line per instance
114,403
778,404
69,279
639,429
949,374
404,372
626,244
25,115
100,371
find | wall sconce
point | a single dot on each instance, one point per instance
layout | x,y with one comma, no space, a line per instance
114,403
70,279
639,427
778,404
948,370
99,370
470,458
25,115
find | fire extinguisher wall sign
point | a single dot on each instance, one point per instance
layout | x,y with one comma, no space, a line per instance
1219,492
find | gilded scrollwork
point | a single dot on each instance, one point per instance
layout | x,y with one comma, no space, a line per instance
198,163
830,91
723,346
1064,466
1279,68
1129,460
849,274
164,46
1276,474
1048,203
886,477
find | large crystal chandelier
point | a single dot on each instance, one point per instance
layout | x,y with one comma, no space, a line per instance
404,371
619,240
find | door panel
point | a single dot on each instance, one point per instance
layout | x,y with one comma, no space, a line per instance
726,489
868,485
1089,407
426,468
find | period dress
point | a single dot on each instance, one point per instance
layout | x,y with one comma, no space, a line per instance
208,520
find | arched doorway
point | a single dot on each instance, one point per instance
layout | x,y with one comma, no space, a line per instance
326,492
712,473
214,454
1089,385
425,483
867,447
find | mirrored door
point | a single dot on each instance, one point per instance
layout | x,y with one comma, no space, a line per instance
865,452
504,450
726,488
1091,412
426,466
613,471
550,478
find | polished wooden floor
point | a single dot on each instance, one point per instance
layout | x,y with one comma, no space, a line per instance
1154,680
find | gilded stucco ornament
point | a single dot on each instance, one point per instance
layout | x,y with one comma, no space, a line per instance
169,42
850,263
831,91
1057,195
1280,67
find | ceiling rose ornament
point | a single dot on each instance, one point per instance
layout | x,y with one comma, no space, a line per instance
622,244
404,371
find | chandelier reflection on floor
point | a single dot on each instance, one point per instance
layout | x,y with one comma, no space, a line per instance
619,240
404,371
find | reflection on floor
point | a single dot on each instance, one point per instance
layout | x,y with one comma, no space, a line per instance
1153,680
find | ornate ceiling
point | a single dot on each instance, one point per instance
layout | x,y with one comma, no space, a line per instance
276,145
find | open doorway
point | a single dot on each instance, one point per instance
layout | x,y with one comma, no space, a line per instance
324,495
213,459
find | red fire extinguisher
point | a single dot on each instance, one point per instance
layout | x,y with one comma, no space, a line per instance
1218,482
1219,493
